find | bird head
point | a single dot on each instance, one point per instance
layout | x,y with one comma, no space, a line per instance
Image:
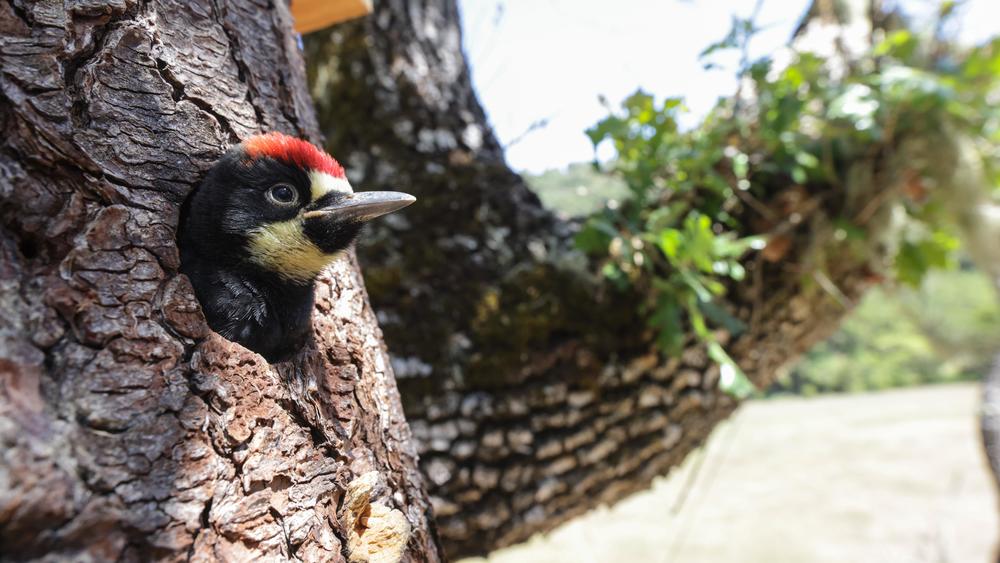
281,205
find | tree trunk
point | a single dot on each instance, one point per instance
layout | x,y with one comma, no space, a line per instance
129,431
535,392
990,419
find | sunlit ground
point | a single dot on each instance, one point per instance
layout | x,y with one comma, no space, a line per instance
894,476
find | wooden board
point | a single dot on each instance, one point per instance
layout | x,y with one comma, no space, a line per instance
313,15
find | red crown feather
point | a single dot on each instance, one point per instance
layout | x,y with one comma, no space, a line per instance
293,151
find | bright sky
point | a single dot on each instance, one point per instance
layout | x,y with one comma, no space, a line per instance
552,59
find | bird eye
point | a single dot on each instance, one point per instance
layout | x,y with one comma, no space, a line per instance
282,194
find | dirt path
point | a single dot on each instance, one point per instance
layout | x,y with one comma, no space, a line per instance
895,476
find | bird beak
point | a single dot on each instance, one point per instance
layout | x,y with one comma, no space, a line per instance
362,206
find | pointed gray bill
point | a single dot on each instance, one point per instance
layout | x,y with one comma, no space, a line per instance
363,206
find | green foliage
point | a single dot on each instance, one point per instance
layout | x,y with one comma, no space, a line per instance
916,257
945,330
667,237
679,235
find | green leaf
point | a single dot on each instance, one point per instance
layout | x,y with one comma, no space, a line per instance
799,175
916,258
615,275
670,243
728,247
666,319
699,241
697,321
696,286
806,160
663,217
721,317
851,231
737,271
741,165
732,380
899,44
595,236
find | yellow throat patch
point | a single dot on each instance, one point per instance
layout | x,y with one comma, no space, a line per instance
284,249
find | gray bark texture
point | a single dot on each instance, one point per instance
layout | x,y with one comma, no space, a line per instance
535,392
990,419
989,426
129,431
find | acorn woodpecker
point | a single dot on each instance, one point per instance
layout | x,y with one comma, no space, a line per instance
268,217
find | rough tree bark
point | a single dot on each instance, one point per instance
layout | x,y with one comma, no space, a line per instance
128,431
534,392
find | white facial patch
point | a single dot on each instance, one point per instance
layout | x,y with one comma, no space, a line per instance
321,183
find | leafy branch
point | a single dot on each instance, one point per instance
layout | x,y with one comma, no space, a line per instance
702,201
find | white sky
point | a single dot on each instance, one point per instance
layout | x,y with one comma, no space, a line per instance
537,59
